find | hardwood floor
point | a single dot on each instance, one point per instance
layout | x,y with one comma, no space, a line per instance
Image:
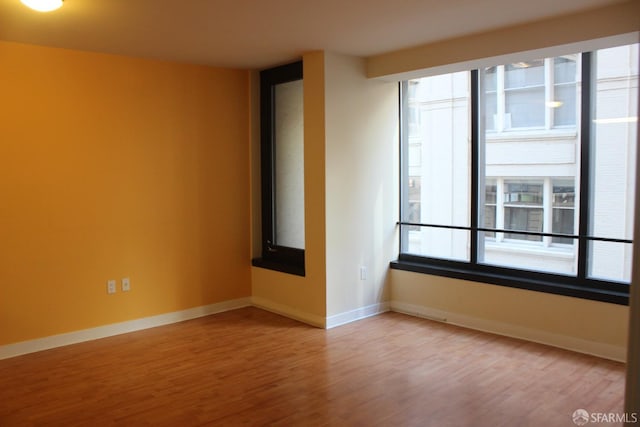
250,367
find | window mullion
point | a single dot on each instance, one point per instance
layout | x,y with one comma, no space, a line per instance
500,208
475,167
585,164
547,210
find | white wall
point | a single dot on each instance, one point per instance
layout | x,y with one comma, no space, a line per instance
361,187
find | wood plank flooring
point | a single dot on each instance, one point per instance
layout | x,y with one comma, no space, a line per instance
249,367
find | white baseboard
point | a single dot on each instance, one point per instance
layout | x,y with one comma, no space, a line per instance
617,353
357,314
20,348
607,351
290,312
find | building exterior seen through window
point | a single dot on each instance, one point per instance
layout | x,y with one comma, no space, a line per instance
528,165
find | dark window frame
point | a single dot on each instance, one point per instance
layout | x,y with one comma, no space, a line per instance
580,285
274,256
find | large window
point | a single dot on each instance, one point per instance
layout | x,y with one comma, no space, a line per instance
282,169
523,174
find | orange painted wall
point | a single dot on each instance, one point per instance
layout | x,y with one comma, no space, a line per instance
115,167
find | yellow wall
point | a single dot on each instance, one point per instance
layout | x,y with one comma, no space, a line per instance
303,298
577,324
118,167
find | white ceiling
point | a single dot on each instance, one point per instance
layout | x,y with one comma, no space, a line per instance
262,33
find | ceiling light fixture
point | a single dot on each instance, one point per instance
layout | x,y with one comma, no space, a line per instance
43,5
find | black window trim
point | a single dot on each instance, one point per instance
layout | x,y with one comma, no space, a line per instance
580,285
274,257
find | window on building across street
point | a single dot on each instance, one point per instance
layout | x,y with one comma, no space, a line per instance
523,173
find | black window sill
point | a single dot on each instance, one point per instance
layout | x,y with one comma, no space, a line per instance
534,282
297,270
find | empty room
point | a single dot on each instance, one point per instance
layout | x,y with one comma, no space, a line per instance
363,213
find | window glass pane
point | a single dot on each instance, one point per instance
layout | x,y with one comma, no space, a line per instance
564,69
523,209
491,98
490,79
610,261
563,220
564,105
413,105
413,213
530,181
563,102
524,94
523,193
524,107
523,219
524,74
289,165
436,175
491,111
489,214
437,242
563,210
614,139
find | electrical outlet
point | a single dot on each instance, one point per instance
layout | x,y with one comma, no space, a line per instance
126,285
363,273
111,286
